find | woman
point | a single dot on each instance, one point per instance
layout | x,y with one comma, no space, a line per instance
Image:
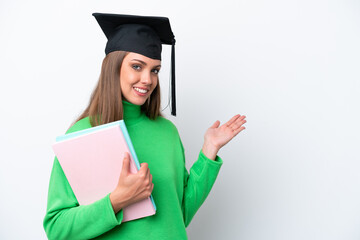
128,89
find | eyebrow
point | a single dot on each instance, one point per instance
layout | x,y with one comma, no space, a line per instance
144,63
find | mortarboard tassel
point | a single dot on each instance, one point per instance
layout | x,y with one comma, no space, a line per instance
173,102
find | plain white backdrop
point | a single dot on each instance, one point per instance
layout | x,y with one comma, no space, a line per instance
292,67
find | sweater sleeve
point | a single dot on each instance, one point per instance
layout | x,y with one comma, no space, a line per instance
65,219
198,183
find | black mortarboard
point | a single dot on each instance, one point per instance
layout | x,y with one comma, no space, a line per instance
139,34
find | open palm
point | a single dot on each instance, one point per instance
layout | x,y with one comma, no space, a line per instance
219,136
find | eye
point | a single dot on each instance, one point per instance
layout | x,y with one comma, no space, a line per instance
136,67
156,71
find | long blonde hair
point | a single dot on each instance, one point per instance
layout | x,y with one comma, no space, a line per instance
105,104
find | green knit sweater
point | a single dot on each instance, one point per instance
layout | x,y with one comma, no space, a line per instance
177,194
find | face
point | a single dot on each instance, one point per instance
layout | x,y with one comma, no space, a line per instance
138,77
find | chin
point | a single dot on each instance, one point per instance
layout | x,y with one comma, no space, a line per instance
137,101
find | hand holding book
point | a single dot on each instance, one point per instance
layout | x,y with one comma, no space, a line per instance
92,160
131,188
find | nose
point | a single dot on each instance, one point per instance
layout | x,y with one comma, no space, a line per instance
146,78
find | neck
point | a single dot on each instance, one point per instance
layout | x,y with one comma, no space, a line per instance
132,112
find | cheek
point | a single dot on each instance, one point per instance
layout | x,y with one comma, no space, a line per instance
126,79
156,82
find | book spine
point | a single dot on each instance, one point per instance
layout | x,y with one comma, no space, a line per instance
130,145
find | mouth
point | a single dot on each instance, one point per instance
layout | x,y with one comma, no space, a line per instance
141,91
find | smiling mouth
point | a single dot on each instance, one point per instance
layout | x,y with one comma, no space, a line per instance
143,91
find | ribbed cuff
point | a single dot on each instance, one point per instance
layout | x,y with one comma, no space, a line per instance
218,161
117,218
206,164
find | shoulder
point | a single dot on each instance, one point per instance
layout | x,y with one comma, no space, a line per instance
171,130
163,126
166,123
80,125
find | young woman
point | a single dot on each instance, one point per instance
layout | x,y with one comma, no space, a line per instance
128,89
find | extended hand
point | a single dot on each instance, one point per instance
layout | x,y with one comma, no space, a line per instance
216,137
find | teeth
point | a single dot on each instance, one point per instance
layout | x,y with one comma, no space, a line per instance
141,90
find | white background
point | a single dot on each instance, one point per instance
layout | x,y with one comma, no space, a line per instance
292,67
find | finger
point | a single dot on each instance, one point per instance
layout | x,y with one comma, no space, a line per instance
216,124
151,187
238,123
126,164
232,120
151,178
144,169
147,174
235,132
238,130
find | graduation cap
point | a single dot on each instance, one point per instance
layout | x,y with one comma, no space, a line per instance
140,34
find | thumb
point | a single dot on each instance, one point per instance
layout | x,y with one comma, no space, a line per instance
216,124
126,164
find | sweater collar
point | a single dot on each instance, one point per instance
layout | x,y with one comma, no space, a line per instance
132,113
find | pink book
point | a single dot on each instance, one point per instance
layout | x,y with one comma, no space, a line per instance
92,163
